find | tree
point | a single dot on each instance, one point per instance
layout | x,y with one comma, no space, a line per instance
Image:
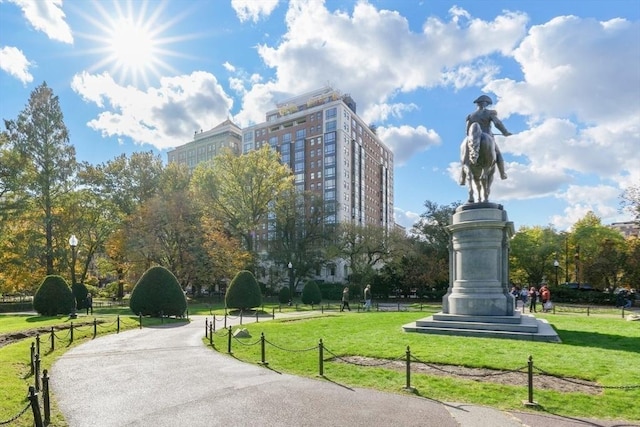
631,201
533,250
12,171
41,138
53,297
432,228
301,233
311,293
239,190
158,293
243,292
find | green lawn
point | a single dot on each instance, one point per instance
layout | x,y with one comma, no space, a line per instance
604,349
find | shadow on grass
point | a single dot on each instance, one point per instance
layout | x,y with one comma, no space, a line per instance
36,319
598,340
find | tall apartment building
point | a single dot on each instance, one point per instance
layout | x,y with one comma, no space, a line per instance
333,152
207,144
330,150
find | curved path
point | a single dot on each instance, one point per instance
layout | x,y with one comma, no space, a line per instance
165,376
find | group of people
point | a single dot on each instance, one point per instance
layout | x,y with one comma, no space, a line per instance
367,299
532,296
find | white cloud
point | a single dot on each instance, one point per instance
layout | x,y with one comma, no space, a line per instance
599,199
46,16
405,218
253,9
164,117
406,141
376,56
13,62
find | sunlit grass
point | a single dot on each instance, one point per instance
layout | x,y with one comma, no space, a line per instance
605,350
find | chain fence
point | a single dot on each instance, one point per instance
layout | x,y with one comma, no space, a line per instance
409,360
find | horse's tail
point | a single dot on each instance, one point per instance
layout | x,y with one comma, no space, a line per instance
473,142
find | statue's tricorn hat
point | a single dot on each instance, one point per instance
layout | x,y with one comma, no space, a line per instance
483,98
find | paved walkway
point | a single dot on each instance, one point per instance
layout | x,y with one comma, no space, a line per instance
165,376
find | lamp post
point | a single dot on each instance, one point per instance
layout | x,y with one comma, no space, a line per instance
290,266
73,242
577,259
556,264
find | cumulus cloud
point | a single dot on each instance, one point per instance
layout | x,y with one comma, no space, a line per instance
252,10
46,16
14,63
406,141
166,116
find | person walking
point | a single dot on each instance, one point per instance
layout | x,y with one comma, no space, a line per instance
533,298
345,299
367,298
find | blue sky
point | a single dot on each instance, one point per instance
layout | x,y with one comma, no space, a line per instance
564,76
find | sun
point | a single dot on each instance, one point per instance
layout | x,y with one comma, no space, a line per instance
130,38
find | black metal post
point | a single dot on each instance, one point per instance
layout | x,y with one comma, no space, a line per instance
229,341
38,344
45,397
53,340
118,324
211,334
33,356
35,407
95,327
213,322
321,358
262,349
530,380
71,332
140,319
36,375
408,387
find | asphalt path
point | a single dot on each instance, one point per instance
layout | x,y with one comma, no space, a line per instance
166,376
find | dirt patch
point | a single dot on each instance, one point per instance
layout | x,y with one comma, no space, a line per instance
517,378
12,337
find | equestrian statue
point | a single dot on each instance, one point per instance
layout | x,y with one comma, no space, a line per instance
479,153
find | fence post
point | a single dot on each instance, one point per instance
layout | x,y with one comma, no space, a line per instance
71,332
206,327
35,407
273,312
33,355
262,349
38,344
95,327
241,317
118,324
623,311
229,341
213,322
36,375
587,311
530,401
257,316
211,329
45,397
140,319
53,340
408,386
225,319
321,358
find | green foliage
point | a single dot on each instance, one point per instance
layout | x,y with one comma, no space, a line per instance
243,292
53,297
311,293
80,293
158,292
284,295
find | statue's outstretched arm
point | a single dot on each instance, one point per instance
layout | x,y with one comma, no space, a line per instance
498,124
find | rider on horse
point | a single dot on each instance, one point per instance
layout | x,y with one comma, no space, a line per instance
484,118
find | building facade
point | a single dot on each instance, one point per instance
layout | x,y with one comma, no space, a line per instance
331,151
207,144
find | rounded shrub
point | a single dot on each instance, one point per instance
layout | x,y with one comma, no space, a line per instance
53,297
80,293
243,292
311,293
158,293
284,296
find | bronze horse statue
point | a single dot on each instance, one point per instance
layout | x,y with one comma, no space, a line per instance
480,164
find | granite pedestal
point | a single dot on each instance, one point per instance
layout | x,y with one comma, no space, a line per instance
478,301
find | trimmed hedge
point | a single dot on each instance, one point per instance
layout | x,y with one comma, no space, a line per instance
311,293
53,297
158,293
243,292
284,296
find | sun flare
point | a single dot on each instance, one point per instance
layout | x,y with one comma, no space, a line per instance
130,37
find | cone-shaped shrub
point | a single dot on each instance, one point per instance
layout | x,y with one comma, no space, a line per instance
311,293
53,297
80,293
284,295
158,293
243,292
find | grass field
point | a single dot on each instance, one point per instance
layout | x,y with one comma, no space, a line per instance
603,349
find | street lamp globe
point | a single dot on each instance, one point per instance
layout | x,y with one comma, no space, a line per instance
73,241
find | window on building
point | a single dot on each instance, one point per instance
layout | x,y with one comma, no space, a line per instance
331,113
298,167
301,133
299,156
330,126
286,138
